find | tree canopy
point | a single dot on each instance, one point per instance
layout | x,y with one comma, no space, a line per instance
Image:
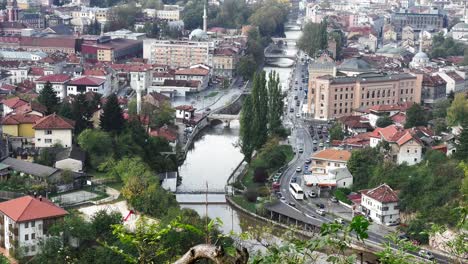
416,116
314,38
111,119
48,98
384,121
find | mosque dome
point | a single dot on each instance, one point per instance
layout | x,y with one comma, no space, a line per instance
198,34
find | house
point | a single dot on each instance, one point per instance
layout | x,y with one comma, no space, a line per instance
184,113
156,99
328,159
25,222
72,159
19,125
200,73
169,134
86,84
373,113
9,105
32,108
355,124
169,181
174,88
57,180
58,81
405,146
381,205
336,178
53,129
454,82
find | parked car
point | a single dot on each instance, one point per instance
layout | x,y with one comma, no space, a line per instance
320,212
315,141
320,205
339,221
308,161
311,194
319,132
333,199
291,110
315,149
392,223
298,169
321,145
426,254
298,115
295,97
292,204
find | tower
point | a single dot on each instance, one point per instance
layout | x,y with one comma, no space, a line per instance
205,19
420,40
465,18
12,10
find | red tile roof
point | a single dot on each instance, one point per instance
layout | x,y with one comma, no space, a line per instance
54,78
95,72
199,71
14,102
28,208
33,106
399,118
16,119
8,87
383,194
36,71
168,134
185,108
387,108
388,132
54,121
332,154
87,80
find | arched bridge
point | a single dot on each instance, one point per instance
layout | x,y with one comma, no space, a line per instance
228,113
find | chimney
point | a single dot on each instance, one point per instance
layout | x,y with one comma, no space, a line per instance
40,198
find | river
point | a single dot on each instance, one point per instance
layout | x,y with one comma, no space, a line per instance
214,155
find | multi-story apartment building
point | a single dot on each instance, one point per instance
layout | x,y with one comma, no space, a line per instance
381,204
225,61
178,54
169,13
58,81
25,222
102,15
333,97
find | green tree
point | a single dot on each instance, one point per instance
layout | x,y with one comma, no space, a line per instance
45,158
246,67
440,108
275,103
164,115
102,222
457,113
462,146
336,131
247,134
111,119
48,98
260,109
269,17
81,113
65,110
314,38
384,121
415,116
360,164
98,145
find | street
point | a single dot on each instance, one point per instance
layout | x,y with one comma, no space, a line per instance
302,138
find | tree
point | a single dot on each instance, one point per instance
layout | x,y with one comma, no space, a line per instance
360,164
102,222
314,38
462,146
384,121
246,129
260,175
336,131
457,113
112,117
45,158
48,98
81,113
275,103
415,116
98,145
65,110
260,109
440,108
246,67
164,115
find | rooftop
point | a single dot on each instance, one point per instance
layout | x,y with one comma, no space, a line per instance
332,154
54,121
28,208
54,78
382,193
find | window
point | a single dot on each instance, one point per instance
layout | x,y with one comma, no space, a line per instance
33,248
407,151
33,223
26,225
33,236
415,160
26,237
48,140
385,208
48,132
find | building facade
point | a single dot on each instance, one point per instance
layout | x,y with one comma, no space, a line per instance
381,204
333,97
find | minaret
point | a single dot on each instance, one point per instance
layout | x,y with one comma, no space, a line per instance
420,40
465,18
205,19
12,10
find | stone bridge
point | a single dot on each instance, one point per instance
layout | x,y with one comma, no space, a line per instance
229,112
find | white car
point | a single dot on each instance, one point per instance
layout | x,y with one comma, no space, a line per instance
426,254
298,169
339,220
315,141
311,194
298,115
320,212
283,199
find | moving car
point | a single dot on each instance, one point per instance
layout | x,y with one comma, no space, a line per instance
308,161
298,169
311,194
426,254
339,221
292,204
291,110
298,115
320,212
301,150
283,199
333,199
320,205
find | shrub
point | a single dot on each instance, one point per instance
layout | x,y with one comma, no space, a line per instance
251,195
260,175
263,191
341,194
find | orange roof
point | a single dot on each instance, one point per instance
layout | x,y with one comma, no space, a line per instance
193,71
28,208
383,194
16,119
332,154
14,102
388,132
54,121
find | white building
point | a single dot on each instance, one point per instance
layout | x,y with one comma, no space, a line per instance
336,178
125,34
8,55
381,204
25,222
86,84
324,161
169,13
71,159
53,129
200,73
455,82
92,13
58,81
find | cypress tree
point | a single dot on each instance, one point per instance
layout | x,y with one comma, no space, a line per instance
462,146
112,118
81,113
48,98
275,103
247,132
262,111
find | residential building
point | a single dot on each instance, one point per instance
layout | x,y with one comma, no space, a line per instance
105,49
200,73
177,54
433,19
225,61
433,88
405,147
336,178
333,97
53,129
102,15
59,83
184,113
22,55
375,112
381,205
455,82
169,13
328,159
25,223
174,88
11,104
19,125
86,84
354,125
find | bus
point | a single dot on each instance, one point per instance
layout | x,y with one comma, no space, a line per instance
296,191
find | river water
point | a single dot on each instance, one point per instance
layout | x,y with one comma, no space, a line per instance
214,155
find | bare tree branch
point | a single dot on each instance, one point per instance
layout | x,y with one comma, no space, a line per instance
213,253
